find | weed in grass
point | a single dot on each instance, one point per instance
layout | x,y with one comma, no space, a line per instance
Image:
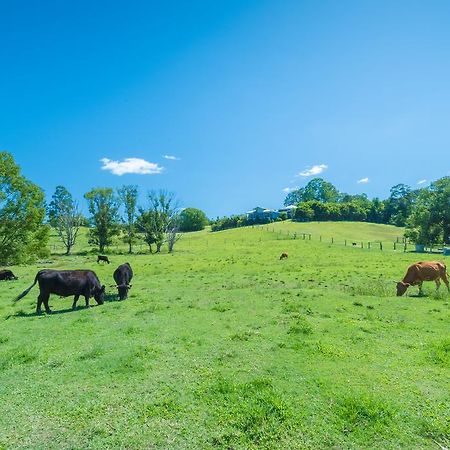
252,414
439,352
300,326
362,412
93,353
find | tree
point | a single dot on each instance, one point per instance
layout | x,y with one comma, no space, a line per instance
65,217
429,223
104,209
192,219
23,234
145,226
159,222
399,205
317,189
128,196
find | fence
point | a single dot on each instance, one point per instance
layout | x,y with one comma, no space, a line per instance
400,242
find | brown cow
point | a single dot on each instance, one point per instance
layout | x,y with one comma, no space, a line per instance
422,271
284,255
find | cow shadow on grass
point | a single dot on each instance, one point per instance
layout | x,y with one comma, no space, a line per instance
54,312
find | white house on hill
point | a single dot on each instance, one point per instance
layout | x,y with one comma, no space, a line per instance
259,213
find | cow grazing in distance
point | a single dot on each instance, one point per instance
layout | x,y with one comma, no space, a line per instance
102,258
6,275
66,283
422,271
284,255
122,276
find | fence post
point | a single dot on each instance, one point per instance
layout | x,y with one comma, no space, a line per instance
295,235
320,238
381,246
362,245
404,248
303,236
309,236
394,246
332,240
345,242
368,245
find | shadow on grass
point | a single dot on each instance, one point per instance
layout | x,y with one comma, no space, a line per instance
53,313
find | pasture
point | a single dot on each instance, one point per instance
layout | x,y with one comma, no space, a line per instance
223,346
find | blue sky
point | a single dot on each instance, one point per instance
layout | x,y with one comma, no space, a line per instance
246,95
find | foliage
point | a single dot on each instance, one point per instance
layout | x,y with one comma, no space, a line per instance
128,196
429,222
317,189
65,217
104,210
23,235
159,223
192,219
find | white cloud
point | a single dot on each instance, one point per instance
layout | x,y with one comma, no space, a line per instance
172,158
363,181
287,190
131,165
421,181
314,170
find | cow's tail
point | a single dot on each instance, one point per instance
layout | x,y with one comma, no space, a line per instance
25,292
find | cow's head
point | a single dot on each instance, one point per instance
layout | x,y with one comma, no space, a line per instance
99,295
401,288
123,290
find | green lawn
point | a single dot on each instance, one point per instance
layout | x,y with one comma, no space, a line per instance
221,345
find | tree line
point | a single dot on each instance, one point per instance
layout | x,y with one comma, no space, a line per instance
425,212
26,219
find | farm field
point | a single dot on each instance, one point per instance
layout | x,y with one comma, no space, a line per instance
223,346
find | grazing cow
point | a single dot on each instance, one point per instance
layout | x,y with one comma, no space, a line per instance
65,283
284,255
6,275
122,276
102,258
354,244
419,272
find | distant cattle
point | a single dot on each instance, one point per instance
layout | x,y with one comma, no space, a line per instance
421,271
66,283
122,276
354,244
6,275
102,258
284,255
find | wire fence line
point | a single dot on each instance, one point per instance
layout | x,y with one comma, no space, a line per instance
399,243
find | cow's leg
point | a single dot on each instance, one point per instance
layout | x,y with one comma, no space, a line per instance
86,297
75,299
445,280
420,288
438,283
47,307
39,304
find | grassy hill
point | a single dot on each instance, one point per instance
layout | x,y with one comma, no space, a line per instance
221,345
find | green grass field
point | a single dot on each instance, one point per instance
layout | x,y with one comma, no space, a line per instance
223,346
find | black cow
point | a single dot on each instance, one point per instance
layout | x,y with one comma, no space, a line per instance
122,276
102,258
6,275
65,283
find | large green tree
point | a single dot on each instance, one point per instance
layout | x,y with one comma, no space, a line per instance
65,217
317,189
23,234
104,208
429,222
192,219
